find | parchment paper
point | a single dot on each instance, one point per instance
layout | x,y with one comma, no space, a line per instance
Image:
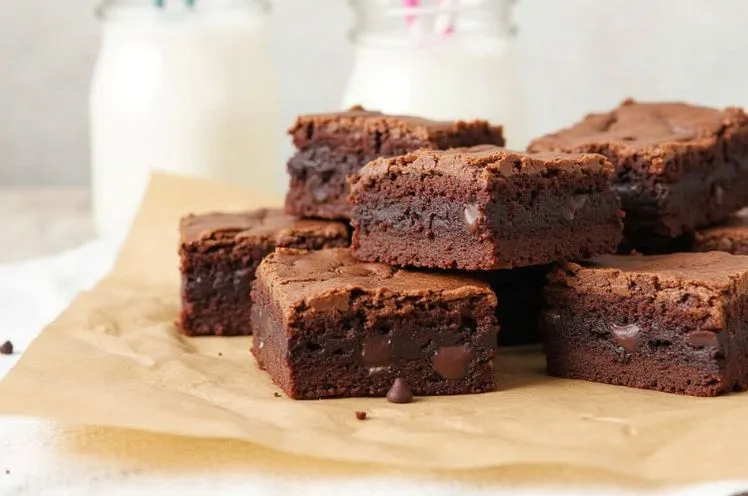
114,359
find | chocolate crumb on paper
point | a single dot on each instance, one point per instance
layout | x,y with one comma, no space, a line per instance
361,415
6,348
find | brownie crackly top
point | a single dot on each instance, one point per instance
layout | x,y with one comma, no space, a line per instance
376,133
654,129
323,279
265,224
712,270
483,162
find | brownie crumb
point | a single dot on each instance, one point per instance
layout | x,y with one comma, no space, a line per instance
399,392
361,415
277,395
6,348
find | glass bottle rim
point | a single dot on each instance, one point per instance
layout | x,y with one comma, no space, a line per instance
105,9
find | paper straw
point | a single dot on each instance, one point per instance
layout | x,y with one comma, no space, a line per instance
444,25
411,19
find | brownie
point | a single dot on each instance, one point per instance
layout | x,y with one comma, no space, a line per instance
484,208
676,323
330,147
219,253
327,325
678,167
731,236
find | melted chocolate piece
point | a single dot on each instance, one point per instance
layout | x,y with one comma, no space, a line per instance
399,392
575,203
702,339
377,352
626,336
451,362
472,215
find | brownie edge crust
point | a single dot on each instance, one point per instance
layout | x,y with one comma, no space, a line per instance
326,325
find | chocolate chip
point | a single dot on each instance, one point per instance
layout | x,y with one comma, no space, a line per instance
573,205
361,415
719,194
702,339
626,336
376,352
277,395
472,214
6,348
451,362
399,392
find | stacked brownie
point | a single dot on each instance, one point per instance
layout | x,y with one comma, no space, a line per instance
673,322
219,253
330,147
678,167
460,245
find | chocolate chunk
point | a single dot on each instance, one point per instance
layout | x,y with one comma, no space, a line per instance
626,336
361,415
702,339
399,392
472,214
377,351
451,362
6,348
574,204
719,194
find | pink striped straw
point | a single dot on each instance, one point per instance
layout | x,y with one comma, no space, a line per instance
445,23
411,19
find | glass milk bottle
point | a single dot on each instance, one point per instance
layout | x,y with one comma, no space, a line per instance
184,87
441,59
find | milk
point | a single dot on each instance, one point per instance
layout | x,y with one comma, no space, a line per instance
459,79
190,93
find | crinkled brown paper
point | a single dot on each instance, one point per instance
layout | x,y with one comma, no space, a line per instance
114,359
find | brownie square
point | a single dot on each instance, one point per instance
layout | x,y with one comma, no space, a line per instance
219,253
327,325
675,323
678,167
484,208
731,236
330,147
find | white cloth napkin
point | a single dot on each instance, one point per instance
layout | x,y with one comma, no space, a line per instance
32,293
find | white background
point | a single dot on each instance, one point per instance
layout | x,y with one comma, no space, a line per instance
576,56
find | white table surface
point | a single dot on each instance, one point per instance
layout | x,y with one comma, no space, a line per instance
36,455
